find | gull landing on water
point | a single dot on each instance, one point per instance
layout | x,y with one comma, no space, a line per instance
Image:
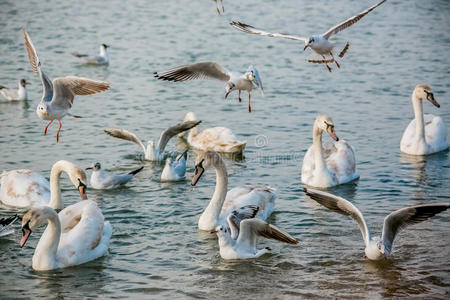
57,97
378,248
19,94
101,59
211,70
318,43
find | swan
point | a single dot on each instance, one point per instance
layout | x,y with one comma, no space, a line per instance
25,188
151,152
175,170
330,164
6,224
77,235
19,94
376,247
219,139
101,59
426,134
102,181
222,202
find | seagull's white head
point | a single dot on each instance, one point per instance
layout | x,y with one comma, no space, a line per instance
424,92
375,250
42,111
312,42
23,82
325,123
95,167
229,87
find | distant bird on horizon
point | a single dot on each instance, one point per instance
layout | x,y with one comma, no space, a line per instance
19,94
57,97
211,70
101,59
318,43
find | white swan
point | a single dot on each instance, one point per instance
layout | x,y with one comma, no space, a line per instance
175,170
376,247
25,188
19,94
426,134
102,181
222,202
219,139
330,164
151,152
77,235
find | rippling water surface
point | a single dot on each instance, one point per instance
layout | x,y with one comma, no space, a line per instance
156,249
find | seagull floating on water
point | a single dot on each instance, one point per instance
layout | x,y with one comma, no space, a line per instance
318,43
57,97
211,70
6,224
175,170
378,248
102,181
19,94
101,59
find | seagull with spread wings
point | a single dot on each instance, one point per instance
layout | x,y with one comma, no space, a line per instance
376,247
211,70
58,95
318,43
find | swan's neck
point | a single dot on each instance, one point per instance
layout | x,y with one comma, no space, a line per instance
418,114
192,134
45,253
209,218
55,190
319,159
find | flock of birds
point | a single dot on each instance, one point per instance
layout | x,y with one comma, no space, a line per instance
79,233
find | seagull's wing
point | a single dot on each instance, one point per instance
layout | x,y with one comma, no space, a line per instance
5,224
36,66
201,70
124,135
349,22
67,87
341,206
250,29
234,219
170,132
76,54
403,217
251,229
257,81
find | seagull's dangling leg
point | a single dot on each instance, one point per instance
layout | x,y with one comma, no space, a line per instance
249,107
217,7
332,56
59,129
223,8
239,96
326,64
45,131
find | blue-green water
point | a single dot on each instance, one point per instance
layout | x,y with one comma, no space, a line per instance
156,249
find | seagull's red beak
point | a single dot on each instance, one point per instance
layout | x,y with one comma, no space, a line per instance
213,231
305,47
226,95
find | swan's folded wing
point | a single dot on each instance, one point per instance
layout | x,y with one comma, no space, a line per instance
170,132
403,217
350,21
124,135
65,89
341,206
250,29
201,70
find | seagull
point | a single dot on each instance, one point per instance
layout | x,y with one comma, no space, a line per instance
57,97
101,181
376,247
11,94
151,152
175,170
318,43
6,223
211,70
217,6
101,59
239,239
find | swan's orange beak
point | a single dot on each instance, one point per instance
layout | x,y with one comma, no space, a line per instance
333,135
430,97
197,173
82,190
26,231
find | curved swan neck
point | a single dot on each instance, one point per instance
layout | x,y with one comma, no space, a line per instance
418,115
192,133
55,189
48,244
318,149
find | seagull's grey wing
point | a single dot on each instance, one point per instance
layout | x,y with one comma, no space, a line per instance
5,224
65,89
36,66
201,70
236,216
341,206
349,22
170,132
76,54
124,135
403,217
251,229
250,29
257,79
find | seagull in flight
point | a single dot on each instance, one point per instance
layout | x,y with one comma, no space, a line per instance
101,59
318,43
376,247
58,95
211,70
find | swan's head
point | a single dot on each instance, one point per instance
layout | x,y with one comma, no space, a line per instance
325,123
190,116
42,111
76,175
203,161
424,92
33,219
23,82
229,87
95,167
311,42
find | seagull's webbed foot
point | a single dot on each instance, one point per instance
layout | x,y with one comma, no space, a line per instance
223,8
59,129
46,127
217,7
